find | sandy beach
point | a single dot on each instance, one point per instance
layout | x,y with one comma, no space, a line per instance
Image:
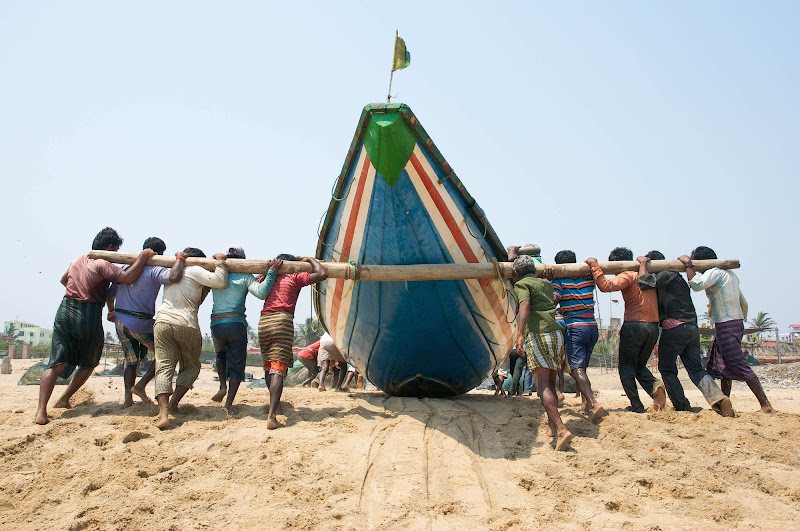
367,460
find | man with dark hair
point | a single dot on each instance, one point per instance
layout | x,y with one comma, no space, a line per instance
229,324
132,309
639,332
727,310
541,339
78,336
276,328
177,332
576,298
679,337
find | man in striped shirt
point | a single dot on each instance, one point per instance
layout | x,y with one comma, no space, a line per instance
576,298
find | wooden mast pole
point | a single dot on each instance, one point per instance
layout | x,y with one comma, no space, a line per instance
416,272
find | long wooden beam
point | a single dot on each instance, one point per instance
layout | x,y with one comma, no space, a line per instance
414,272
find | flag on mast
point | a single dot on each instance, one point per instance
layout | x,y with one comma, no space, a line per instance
402,57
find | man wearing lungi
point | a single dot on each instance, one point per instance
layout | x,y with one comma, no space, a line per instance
177,332
132,309
78,336
276,328
229,324
639,332
541,340
679,337
727,310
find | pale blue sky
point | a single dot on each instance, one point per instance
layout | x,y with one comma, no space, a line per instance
581,125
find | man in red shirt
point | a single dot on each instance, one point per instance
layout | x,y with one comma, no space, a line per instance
276,328
78,329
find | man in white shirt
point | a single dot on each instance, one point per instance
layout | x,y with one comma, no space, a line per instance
177,333
727,310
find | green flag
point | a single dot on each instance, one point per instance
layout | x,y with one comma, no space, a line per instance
402,58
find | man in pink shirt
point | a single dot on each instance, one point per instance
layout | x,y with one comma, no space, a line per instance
78,330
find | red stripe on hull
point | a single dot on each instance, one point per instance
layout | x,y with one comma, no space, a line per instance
348,241
466,250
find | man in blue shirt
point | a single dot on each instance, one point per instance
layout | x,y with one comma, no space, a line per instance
131,307
229,324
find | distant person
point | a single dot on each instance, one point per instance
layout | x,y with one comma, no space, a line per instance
639,333
132,309
177,332
352,372
679,337
329,358
229,324
276,328
516,370
78,336
500,374
576,298
541,340
308,357
727,310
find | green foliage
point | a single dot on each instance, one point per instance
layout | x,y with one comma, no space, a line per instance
308,332
208,343
42,350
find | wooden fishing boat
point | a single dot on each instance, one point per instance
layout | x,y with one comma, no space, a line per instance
398,202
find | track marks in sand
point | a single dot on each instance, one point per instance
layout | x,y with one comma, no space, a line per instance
433,455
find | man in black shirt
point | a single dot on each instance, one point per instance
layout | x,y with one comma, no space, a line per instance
679,337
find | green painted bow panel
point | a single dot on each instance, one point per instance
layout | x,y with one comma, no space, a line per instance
389,143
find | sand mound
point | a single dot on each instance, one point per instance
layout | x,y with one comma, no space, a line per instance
368,460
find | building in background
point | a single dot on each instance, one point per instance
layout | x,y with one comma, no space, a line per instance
28,332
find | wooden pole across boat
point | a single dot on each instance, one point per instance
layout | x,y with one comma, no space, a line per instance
414,272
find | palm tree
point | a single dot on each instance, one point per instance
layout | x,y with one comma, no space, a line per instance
308,332
762,320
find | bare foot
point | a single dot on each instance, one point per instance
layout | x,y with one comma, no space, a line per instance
173,409
659,399
63,403
726,408
767,409
560,396
322,388
128,400
273,423
550,431
584,404
344,389
563,441
163,423
141,394
314,384
595,414
41,418
220,395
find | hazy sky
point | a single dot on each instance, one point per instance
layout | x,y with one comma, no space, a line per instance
580,125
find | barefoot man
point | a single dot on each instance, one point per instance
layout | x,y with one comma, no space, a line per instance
679,337
276,328
177,333
727,310
639,333
541,340
78,328
576,298
229,324
132,308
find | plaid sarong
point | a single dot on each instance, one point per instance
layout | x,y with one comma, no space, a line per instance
545,350
133,344
276,336
78,336
726,359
